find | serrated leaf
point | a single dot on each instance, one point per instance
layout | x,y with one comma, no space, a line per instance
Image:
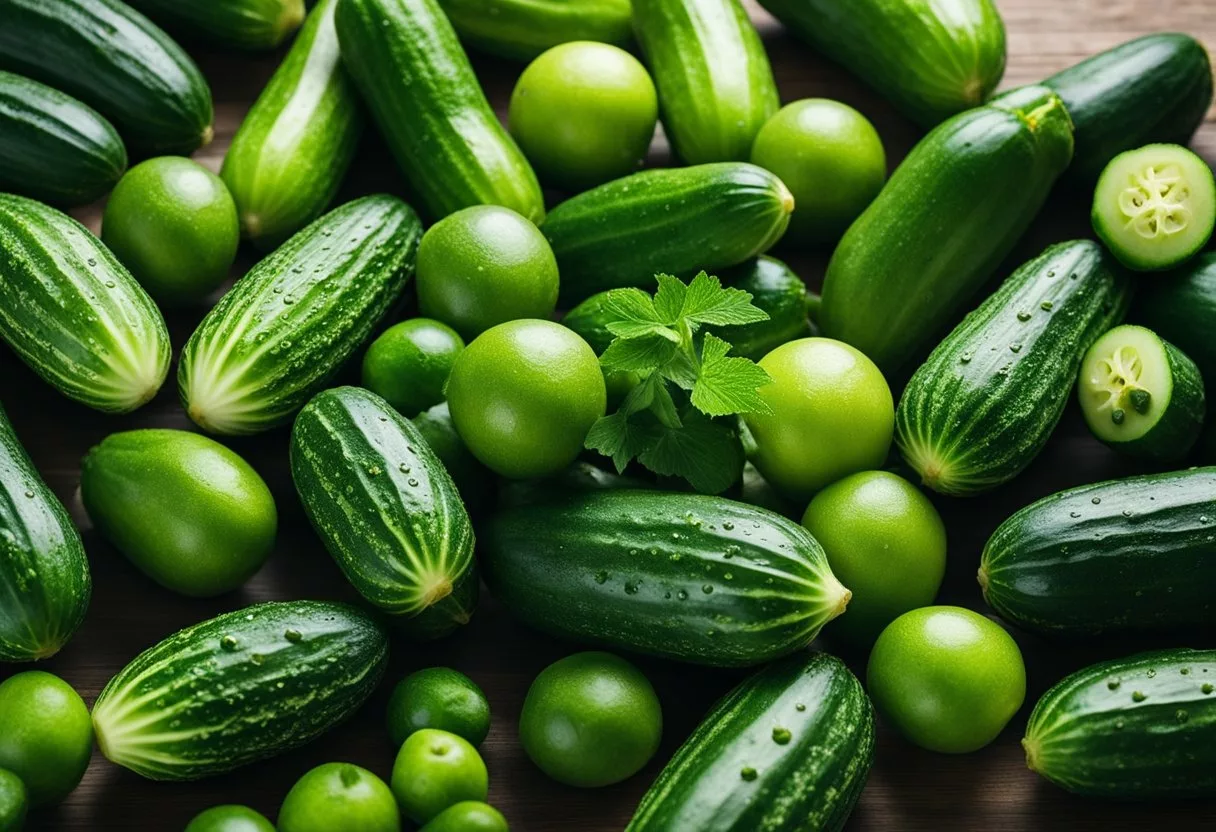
669,300
620,438
728,384
708,302
664,407
706,453
638,355
680,369
641,395
631,314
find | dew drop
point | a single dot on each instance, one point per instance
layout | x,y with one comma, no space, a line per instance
403,468
1113,684
1207,688
782,736
411,481
1023,316
1181,716
800,707
1096,500
228,642
1046,305
728,526
294,636
631,588
601,577
682,595
1138,696
707,589
257,658
748,773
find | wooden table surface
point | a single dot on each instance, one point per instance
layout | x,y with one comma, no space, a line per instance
909,789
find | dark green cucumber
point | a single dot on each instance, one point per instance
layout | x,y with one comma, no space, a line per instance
1126,555
1207,444
781,294
930,58
984,404
670,221
240,687
1140,728
288,325
1180,306
74,314
471,477
386,509
115,60
949,215
684,576
54,148
580,477
789,748
421,90
522,29
239,24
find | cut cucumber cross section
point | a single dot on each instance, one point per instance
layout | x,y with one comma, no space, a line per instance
1155,207
1141,395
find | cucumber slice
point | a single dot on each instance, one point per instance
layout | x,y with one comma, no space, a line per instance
1141,395
1155,207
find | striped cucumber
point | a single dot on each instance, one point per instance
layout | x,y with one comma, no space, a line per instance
522,29
239,24
1180,306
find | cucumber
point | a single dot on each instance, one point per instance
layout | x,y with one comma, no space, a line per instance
472,479
674,221
291,152
1141,395
421,90
386,509
54,148
1139,728
684,576
117,61
288,325
983,405
522,29
240,687
1128,555
781,294
715,86
1181,307
238,24
930,58
949,215
74,314
789,748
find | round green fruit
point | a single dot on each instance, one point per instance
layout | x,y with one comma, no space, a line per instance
434,770
13,802
438,697
230,818
468,816
47,735
408,365
339,797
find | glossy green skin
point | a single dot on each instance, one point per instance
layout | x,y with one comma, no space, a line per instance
237,24
590,719
976,413
118,62
54,148
646,571
296,143
289,324
1207,444
173,223
1126,555
229,818
472,479
930,58
675,221
467,816
191,514
409,364
946,678
715,85
484,266
1138,728
339,797
386,510
811,781
777,291
523,29
74,314
240,687
434,770
13,802
1180,307
581,477
47,739
951,212
438,697
422,93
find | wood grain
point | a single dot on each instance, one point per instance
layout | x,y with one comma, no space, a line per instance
909,790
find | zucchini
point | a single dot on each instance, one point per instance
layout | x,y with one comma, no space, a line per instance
240,687
238,24
386,509
675,221
74,314
44,574
288,325
1139,728
789,748
421,90
684,576
54,148
115,60
983,405
715,86
930,58
949,215
291,152
522,29
1181,307
1127,555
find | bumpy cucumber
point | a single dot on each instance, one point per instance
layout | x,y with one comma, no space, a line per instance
240,24
522,29
1181,308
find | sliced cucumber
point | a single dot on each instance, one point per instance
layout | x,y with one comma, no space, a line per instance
1141,395
1155,206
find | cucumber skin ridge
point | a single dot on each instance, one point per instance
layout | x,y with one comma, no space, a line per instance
522,29
240,24
1180,306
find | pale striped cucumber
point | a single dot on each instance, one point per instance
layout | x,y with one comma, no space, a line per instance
239,24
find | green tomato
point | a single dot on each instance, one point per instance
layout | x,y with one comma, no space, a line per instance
591,719
947,678
434,770
484,266
47,735
438,697
229,818
173,223
584,113
408,365
832,415
13,800
339,797
831,159
885,541
468,816
523,396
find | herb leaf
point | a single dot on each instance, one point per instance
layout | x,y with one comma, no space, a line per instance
728,384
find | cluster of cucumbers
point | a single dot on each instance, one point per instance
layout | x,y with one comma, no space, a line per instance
462,455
